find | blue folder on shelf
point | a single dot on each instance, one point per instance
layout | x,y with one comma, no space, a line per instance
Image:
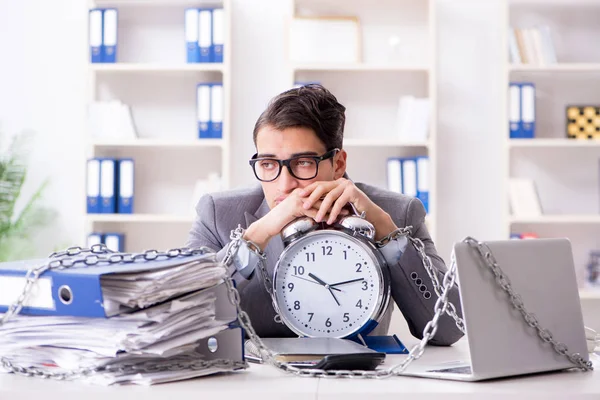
114,241
218,34
108,186
126,182
109,35
205,43
78,291
191,35
95,35
93,186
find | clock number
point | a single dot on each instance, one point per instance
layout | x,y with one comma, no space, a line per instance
291,286
328,322
358,265
327,250
296,305
310,256
365,285
346,317
359,304
298,270
312,314
345,255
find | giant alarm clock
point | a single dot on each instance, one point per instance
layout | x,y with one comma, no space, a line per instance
330,280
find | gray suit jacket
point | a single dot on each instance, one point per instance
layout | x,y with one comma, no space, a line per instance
219,213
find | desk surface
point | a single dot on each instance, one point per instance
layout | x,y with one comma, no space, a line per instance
266,382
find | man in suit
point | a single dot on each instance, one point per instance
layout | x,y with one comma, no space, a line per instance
301,166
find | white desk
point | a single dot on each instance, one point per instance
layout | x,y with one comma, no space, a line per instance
265,382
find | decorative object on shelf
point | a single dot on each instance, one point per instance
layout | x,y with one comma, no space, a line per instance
325,40
16,228
583,121
524,235
592,270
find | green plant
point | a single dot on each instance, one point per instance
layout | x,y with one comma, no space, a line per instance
16,231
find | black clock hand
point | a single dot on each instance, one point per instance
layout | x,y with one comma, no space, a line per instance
326,286
343,283
316,283
317,279
335,298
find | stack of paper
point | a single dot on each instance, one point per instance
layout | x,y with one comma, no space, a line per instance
191,321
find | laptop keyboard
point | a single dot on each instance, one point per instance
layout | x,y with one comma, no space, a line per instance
455,370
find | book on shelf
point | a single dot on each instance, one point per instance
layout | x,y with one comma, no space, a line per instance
531,45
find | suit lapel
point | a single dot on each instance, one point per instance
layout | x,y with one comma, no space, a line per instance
275,246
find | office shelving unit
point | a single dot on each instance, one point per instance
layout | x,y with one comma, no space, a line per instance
152,77
371,89
565,171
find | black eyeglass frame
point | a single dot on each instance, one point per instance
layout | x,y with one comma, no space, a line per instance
286,163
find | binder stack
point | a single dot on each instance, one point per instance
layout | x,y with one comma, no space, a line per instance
103,25
204,35
209,102
521,110
409,176
121,322
110,185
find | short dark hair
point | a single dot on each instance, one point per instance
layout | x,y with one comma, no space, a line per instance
310,106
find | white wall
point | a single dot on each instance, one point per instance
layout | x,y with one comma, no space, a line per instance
50,98
42,88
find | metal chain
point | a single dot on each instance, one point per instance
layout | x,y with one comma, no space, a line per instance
441,306
99,253
489,261
237,238
267,355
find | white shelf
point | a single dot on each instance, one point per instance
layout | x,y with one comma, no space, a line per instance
585,294
360,67
159,143
351,142
156,68
157,3
517,143
561,67
134,218
558,219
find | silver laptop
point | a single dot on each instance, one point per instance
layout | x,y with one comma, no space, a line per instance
501,344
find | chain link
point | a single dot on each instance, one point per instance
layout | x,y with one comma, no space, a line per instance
94,255
442,306
489,261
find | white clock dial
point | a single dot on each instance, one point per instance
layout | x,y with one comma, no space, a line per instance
328,284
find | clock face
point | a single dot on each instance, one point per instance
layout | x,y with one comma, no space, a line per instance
328,284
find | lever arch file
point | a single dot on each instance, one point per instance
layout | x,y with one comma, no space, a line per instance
107,289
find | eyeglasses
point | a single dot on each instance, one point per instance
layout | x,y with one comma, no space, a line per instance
300,167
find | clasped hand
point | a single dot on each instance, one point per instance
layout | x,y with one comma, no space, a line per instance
324,201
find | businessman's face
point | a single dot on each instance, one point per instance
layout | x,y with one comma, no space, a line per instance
293,142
